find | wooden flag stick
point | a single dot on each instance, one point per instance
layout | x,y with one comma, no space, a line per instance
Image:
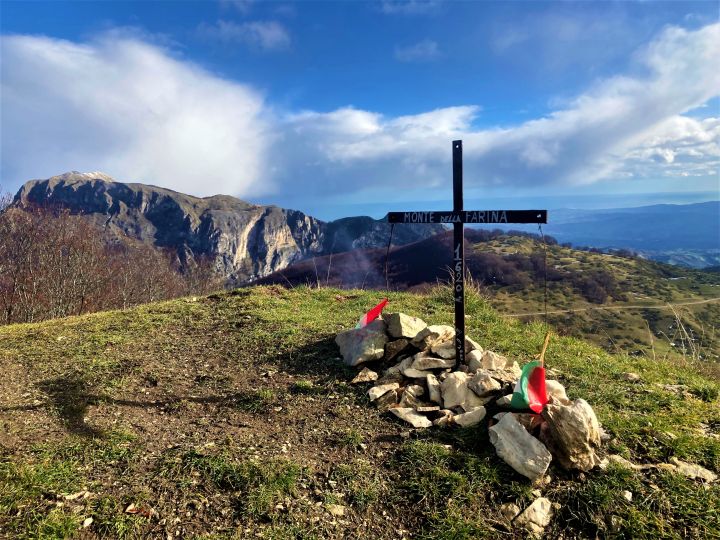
545,346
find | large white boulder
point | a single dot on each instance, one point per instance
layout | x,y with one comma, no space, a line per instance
572,433
401,325
363,344
518,448
456,393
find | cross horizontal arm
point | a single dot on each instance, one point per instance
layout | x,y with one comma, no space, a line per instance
470,216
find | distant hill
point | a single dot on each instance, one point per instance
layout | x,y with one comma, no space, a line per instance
687,234
244,241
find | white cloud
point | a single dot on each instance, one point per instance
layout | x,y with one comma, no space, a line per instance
267,35
131,110
408,7
423,51
135,111
595,135
242,6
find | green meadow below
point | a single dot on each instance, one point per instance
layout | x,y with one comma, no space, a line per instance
231,416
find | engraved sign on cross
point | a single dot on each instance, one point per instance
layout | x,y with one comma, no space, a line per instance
458,217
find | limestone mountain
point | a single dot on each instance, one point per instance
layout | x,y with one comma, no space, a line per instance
244,241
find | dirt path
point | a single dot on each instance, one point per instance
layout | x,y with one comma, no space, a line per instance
615,308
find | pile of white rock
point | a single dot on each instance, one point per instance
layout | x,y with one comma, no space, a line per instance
420,384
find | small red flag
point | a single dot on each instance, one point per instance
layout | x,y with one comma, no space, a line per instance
373,314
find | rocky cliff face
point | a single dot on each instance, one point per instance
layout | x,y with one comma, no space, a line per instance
244,241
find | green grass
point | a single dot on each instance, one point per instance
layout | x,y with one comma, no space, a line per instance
167,406
260,485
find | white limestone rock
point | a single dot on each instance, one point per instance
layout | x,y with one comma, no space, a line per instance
387,400
361,345
455,392
433,386
366,375
445,349
445,418
470,418
412,396
404,368
556,392
411,417
472,345
401,325
423,361
504,401
572,433
431,335
536,517
509,510
514,445
509,374
693,471
474,360
483,384
377,391
493,360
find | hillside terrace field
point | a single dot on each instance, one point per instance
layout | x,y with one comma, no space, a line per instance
624,326
231,416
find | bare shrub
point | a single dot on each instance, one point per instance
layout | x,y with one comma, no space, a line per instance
54,264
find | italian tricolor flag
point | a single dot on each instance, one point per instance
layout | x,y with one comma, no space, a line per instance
529,392
371,315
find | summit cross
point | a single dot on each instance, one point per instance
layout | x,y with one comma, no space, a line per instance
458,217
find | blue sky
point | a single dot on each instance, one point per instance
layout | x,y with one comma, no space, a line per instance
350,107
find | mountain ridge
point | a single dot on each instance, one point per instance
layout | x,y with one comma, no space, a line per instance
244,241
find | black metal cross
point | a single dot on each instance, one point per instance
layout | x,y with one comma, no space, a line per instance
458,217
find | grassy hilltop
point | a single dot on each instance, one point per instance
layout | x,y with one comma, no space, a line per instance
230,416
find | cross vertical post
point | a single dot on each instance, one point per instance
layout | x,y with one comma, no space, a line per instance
458,256
458,217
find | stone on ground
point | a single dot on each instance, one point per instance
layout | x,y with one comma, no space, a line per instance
446,349
510,374
572,433
444,419
411,417
536,517
433,386
518,448
509,510
393,348
423,361
366,375
474,360
556,391
455,392
432,335
493,360
361,345
403,326
483,384
693,471
377,391
470,418
387,400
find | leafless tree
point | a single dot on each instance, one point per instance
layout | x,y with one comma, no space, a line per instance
55,264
